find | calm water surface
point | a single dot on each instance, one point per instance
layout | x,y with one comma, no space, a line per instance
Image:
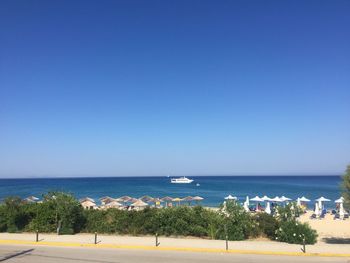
212,188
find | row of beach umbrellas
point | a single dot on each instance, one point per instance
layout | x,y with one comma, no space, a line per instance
109,202
284,199
318,206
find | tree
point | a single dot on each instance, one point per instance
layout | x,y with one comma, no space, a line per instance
346,187
58,210
13,215
237,223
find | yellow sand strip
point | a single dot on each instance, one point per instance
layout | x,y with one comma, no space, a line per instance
208,250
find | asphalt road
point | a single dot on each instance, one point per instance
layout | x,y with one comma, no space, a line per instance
35,254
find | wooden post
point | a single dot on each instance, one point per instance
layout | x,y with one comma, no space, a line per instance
226,236
304,246
157,243
37,236
95,238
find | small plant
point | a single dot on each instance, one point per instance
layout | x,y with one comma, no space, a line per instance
294,232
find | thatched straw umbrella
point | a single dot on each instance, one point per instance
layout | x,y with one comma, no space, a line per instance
87,199
167,200
146,198
132,200
156,201
139,204
113,204
123,199
188,199
106,199
197,199
177,199
88,203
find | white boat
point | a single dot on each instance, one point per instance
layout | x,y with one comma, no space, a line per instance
181,180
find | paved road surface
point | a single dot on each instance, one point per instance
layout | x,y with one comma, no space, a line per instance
35,254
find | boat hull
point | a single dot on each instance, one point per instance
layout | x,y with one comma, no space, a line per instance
177,182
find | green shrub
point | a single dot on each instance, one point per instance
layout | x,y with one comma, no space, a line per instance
13,215
237,223
58,210
294,232
288,212
266,225
61,209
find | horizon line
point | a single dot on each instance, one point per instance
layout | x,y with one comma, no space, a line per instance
160,176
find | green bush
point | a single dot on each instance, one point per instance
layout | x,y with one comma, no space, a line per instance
13,215
182,221
266,225
289,212
58,210
294,232
64,211
237,225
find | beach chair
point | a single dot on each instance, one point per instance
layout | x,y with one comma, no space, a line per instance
336,216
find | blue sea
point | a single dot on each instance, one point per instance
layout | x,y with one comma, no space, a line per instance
212,188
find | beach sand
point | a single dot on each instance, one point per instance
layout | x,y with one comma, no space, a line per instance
328,229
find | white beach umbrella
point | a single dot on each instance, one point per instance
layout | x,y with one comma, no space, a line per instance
266,198
257,199
341,211
230,197
323,199
284,199
276,199
340,200
245,206
304,199
247,200
268,208
317,209
298,202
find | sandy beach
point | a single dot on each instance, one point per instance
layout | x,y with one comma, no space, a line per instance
328,229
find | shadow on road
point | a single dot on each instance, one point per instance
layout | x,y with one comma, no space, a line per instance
16,254
336,240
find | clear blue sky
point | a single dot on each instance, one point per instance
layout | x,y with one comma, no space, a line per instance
119,88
